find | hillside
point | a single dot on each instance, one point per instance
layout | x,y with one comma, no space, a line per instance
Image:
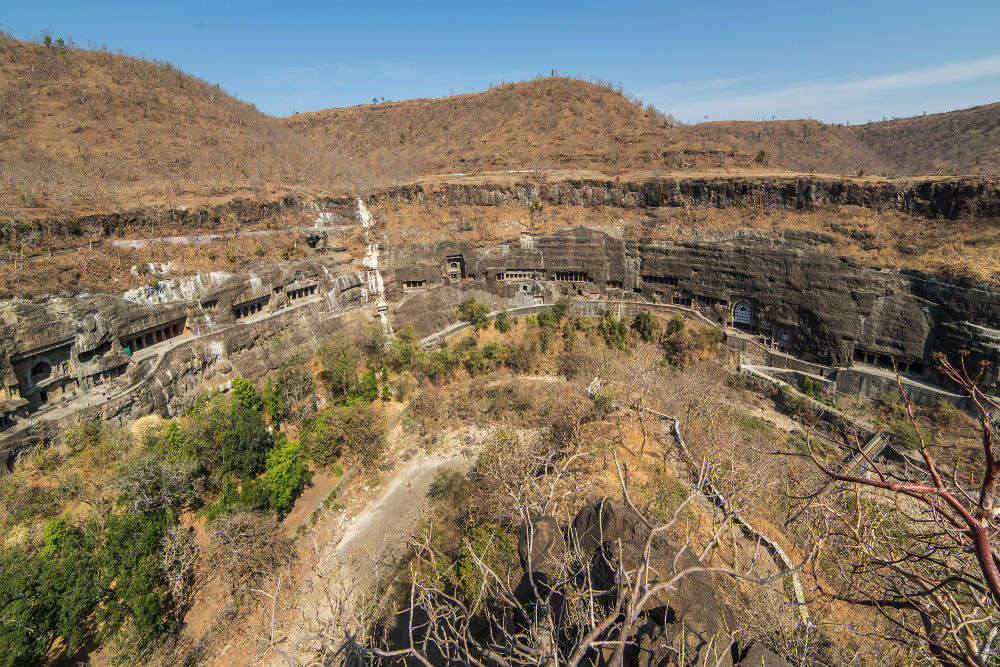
92,130
559,123
964,142
958,142
542,124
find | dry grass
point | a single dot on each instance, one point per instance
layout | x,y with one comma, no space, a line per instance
93,131
560,123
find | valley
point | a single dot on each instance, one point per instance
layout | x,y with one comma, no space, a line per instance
529,376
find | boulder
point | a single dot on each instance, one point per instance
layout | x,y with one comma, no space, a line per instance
759,656
540,545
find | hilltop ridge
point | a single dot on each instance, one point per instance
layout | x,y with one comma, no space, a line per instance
84,131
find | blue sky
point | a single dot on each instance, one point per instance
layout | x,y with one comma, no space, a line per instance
837,62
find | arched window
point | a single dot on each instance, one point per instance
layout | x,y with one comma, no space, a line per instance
742,314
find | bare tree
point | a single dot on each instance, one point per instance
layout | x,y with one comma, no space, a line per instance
584,592
917,542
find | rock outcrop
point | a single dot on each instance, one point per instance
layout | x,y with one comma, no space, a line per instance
120,357
688,616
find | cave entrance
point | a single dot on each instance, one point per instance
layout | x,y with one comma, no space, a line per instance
41,370
743,314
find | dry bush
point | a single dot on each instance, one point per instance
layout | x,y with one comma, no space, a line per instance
245,547
177,559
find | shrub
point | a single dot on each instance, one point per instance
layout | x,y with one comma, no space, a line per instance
644,326
603,404
712,337
676,324
503,322
612,330
246,395
474,312
946,414
495,352
284,389
357,430
890,402
403,350
791,402
561,308
339,359
811,387
678,347
907,437
439,365
475,363
520,357
548,319
466,343
82,435
245,548
483,542
148,484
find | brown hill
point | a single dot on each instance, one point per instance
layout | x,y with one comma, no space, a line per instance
958,142
558,123
964,142
93,130
549,123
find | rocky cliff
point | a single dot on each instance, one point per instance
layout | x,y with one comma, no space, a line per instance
950,199
804,301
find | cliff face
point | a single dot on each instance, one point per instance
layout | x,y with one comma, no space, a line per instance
124,356
809,303
951,199
945,198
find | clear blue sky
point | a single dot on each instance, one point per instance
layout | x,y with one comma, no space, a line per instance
841,61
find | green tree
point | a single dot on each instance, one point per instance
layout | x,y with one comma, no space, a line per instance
229,439
339,359
246,394
286,475
644,326
474,312
403,351
367,390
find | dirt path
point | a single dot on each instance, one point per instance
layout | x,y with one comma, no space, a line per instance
359,545
373,540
